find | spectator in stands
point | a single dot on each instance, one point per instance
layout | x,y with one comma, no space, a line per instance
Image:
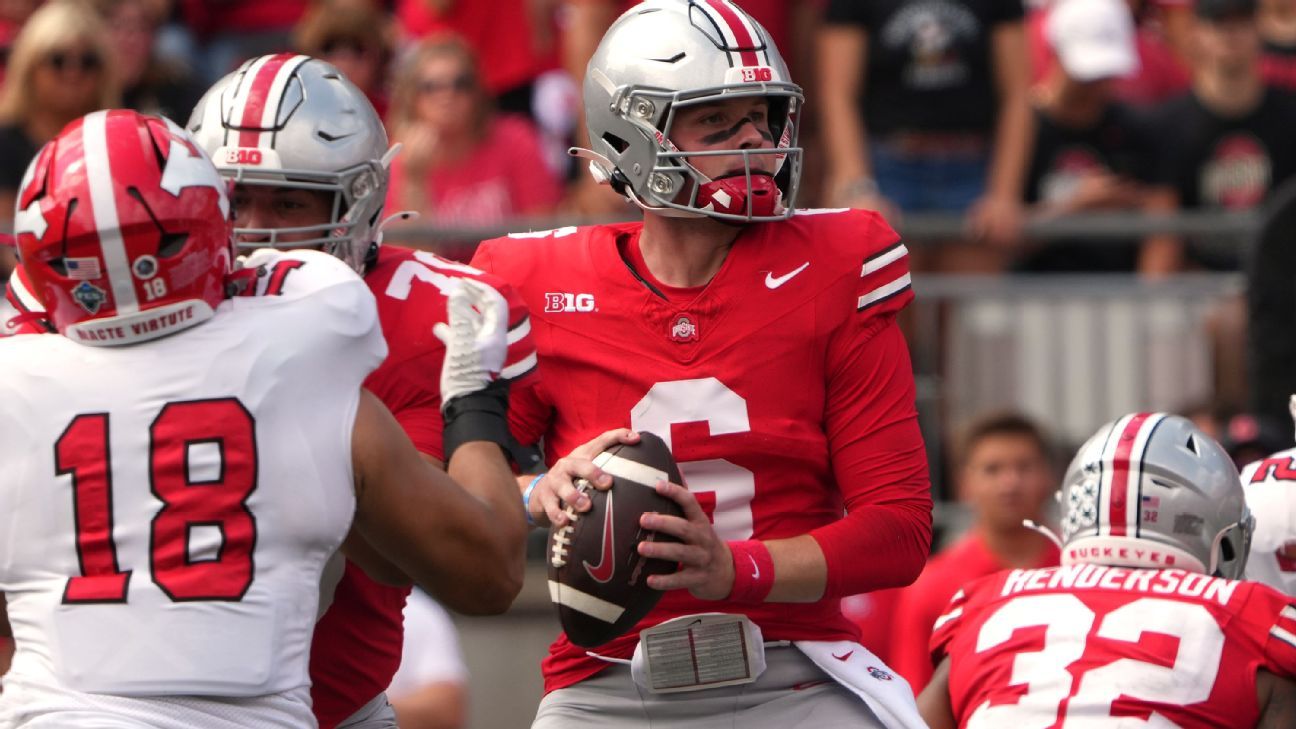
1159,74
461,163
924,107
1091,152
1277,22
430,689
512,39
148,86
1228,142
1005,475
232,31
61,68
353,36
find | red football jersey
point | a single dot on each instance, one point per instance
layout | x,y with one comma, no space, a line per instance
1074,646
357,645
783,388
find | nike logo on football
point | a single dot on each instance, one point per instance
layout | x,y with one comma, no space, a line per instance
844,657
602,572
773,282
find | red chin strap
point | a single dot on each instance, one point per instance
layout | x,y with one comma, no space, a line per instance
729,195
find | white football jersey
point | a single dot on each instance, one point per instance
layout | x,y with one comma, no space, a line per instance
166,508
1270,486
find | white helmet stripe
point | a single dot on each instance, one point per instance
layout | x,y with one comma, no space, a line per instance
275,95
735,28
1122,473
242,90
98,174
256,99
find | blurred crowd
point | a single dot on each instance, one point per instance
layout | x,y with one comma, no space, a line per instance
998,111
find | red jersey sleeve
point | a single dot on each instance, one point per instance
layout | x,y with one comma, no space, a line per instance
1279,615
529,408
947,626
877,451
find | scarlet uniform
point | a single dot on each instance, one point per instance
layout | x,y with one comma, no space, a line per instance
783,387
1270,486
166,527
357,645
1075,646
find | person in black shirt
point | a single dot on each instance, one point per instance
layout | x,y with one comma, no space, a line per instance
1091,152
1228,143
928,97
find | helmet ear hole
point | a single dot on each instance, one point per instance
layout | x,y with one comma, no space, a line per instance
615,142
1226,550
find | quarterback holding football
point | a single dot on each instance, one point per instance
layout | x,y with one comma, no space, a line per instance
761,344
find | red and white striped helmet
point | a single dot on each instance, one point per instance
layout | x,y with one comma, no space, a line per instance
288,120
665,55
1151,490
123,229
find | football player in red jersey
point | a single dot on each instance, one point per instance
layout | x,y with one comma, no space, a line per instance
763,348
1144,623
308,156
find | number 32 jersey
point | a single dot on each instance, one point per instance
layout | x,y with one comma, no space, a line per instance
1081,645
783,387
166,508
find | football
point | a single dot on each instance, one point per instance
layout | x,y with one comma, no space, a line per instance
597,578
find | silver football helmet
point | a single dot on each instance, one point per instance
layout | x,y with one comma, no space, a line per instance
289,120
1151,490
665,55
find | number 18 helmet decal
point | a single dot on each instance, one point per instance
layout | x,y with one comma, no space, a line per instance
1151,490
123,229
288,120
663,56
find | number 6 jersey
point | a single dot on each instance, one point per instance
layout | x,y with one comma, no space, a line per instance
1082,645
783,388
166,508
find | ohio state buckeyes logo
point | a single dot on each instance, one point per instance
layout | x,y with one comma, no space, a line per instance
683,330
602,572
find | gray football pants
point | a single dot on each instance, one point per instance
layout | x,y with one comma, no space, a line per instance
793,693
377,714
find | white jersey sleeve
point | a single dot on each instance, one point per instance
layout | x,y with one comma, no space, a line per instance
166,508
1270,486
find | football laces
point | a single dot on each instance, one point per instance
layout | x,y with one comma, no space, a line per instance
562,536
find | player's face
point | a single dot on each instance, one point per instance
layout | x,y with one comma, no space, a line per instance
260,206
1006,479
733,124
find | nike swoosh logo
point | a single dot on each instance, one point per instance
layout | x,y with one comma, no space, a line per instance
844,657
602,572
773,282
755,568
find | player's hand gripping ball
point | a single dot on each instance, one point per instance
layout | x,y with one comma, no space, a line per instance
597,577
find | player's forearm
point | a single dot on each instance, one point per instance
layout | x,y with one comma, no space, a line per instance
876,547
480,467
800,570
1015,129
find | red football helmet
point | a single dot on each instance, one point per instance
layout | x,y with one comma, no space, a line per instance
124,229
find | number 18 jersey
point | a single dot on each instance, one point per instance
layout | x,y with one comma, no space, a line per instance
1082,645
166,508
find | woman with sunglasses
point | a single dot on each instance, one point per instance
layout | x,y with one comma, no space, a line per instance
60,69
460,163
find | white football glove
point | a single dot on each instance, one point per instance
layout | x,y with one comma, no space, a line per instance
475,338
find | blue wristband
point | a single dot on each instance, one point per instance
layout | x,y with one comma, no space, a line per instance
526,499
